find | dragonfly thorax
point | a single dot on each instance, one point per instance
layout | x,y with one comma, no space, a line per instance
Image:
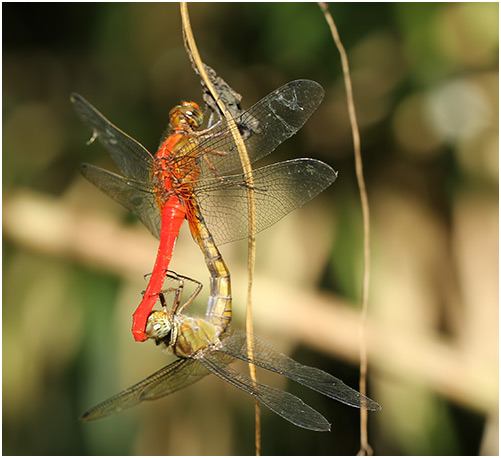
186,117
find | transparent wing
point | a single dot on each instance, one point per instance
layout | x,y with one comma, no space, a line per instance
282,403
279,189
175,376
270,358
263,127
191,371
132,158
223,200
134,196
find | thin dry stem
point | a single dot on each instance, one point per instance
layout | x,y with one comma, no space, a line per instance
244,158
365,448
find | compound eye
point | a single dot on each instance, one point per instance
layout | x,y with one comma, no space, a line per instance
186,114
193,114
158,325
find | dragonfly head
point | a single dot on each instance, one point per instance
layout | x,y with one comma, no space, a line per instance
158,325
186,116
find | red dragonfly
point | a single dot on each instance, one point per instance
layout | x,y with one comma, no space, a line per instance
193,165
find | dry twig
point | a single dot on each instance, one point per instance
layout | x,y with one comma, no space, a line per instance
193,51
365,448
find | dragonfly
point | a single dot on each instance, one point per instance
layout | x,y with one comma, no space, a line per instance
203,349
198,171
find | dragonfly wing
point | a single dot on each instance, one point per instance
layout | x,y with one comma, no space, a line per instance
132,158
263,127
279,189
281,402
173,377
135,196
270,358
186,373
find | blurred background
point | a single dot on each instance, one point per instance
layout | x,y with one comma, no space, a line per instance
425,80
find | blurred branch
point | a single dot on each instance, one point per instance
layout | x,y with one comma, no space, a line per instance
52,227
46,225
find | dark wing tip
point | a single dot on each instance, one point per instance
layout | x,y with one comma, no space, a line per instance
85,416
83,167
74,97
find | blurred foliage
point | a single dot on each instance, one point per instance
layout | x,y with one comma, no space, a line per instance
425,80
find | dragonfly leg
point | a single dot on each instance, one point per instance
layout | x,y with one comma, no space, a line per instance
193,295
207,133
176,307
178,292
163,302
210,164
145,277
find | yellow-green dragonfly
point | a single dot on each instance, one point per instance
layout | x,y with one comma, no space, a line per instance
203,349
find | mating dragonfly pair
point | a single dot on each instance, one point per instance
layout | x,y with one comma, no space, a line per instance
196,175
